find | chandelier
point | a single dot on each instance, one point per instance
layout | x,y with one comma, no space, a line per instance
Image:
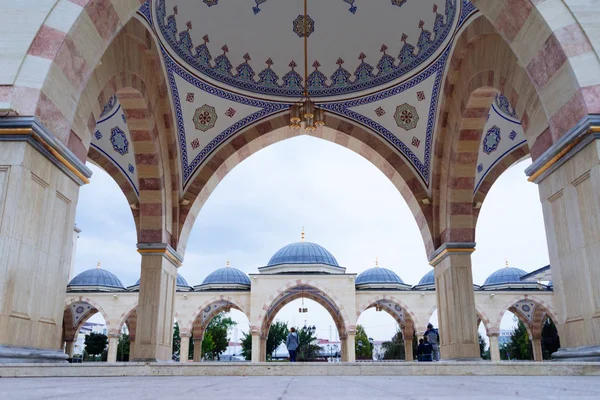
304,112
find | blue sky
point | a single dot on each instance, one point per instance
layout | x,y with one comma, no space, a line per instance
344,203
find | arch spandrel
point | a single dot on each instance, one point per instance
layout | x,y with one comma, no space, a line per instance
202,315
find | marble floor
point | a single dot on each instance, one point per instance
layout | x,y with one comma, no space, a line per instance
303,387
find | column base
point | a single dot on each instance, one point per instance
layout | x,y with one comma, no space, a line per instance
12,354
583,353
152,360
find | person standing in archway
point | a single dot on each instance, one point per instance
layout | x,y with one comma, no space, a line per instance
433,338
292,343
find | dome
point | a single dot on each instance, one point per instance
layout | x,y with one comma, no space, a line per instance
505,275
241,39
303,253
96,277
378,276
227,276
428,279
180,281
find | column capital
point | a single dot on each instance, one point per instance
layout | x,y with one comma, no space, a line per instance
160,249
31,130
113,336
449,248
571,143
185,335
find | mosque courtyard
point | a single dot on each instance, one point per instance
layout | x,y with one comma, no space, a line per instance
303,387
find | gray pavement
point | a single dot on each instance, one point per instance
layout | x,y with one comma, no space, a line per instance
303,387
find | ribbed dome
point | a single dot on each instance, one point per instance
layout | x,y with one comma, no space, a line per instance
227,275
97,277
505,275
180,281
303,253
378,275
428,278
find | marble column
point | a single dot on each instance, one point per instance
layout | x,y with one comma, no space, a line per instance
131,348
494,347
408,350
350,347
263,349
113,345
155,312
344,349
39,189
568,177
184,348
256,347
70,348
536,344
197,350
456,301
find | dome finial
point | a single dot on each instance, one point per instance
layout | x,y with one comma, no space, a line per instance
228,263
302,235
98,266
507,263
376,262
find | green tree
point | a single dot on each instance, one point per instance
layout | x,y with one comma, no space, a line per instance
95,343
550,339
123,348
217,330
485,354
277,334
176,339
519,347
307,349
363,348
394,349
247,346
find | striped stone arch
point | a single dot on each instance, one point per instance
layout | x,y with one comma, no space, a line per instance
139,83
542,309
549,39
283,296
372,302
126,314
360,140
191,324
475,76
483,318
91,302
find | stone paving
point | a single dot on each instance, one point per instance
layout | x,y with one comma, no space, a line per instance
303,387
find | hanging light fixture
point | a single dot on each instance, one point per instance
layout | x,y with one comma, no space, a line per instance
305,112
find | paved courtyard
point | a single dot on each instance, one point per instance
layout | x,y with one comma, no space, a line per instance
302,387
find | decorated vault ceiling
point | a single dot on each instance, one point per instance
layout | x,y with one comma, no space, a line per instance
502,134
112,139
378,63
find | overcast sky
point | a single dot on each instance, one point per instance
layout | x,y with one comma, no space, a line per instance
345,204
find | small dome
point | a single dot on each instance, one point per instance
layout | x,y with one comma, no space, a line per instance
378,276
303,253
505,275
428,279
226,276
180,281
96,277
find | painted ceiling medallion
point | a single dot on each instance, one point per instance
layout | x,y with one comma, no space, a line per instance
205,118
406,116
352,8
299,25
256,9
491,140
426,27
211,3
119,141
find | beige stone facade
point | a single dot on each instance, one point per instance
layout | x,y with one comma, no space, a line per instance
419,114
